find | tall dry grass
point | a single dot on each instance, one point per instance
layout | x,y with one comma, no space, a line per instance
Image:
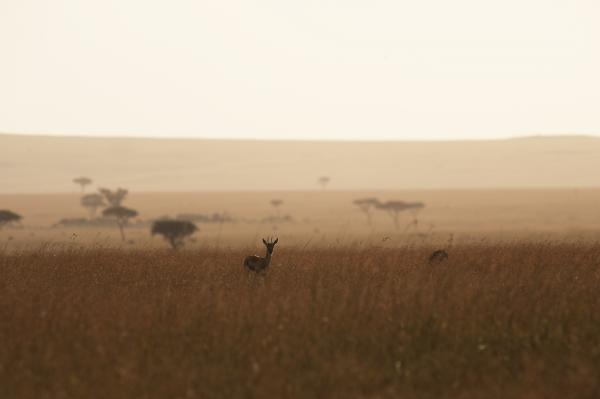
519,321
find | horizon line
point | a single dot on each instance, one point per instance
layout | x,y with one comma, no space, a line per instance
295,139
330,190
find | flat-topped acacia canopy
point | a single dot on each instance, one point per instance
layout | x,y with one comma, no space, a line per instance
7,217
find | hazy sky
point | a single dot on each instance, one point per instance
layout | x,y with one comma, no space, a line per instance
377,69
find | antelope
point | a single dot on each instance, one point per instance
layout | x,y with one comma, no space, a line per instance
441,255
256,263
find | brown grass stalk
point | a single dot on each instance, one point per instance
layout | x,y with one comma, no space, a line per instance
494,321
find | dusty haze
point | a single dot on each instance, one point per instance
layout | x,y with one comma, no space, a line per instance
48,164
269,69
521,189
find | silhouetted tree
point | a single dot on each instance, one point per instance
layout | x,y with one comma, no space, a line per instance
276,203
323,181
8,217
82,181
122,215
174,231
366,206
393,208
92,202
114,198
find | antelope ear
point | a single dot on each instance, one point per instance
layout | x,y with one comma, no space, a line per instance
264,241
276,241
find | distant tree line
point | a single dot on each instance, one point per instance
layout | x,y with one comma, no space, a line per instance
393,209
174,231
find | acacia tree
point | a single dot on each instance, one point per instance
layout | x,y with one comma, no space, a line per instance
174,231
122,216
323,181
114,198
92,202
393,208
366,205
82,181
276,203
8,217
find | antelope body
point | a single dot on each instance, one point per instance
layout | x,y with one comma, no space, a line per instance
441,255
438,255
256,263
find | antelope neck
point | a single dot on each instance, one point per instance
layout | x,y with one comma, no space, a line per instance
268,256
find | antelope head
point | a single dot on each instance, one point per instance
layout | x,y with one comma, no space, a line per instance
270,244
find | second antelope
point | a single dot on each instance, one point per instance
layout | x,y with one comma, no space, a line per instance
258,264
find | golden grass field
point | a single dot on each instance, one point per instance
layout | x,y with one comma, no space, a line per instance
494,321
346,310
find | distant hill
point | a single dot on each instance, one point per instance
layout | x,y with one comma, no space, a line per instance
48,164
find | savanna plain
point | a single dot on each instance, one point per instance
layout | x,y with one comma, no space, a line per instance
350,307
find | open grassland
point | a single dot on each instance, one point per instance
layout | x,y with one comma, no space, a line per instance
494,321
325,218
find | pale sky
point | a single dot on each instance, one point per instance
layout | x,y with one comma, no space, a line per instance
346,69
